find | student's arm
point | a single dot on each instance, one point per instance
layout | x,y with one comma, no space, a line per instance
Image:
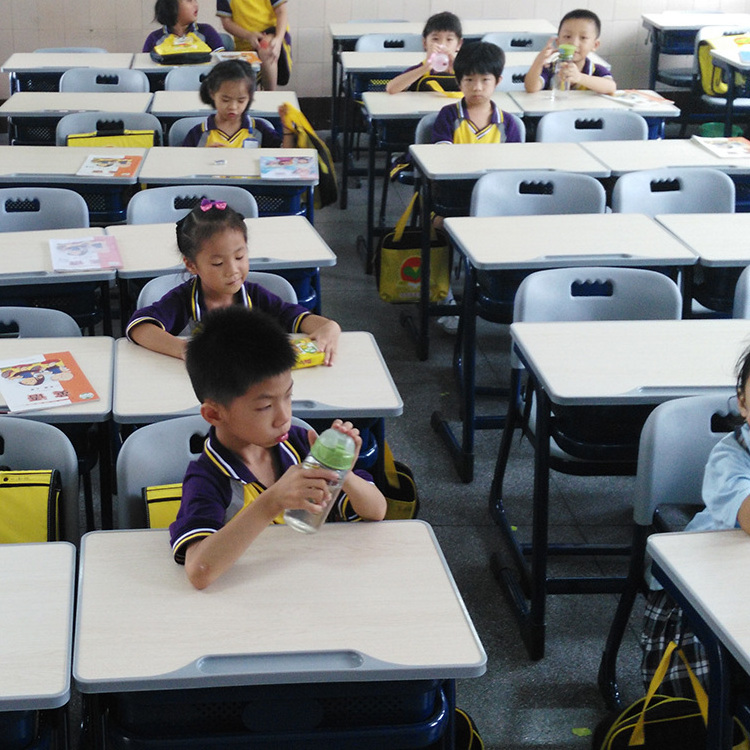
157,339
282,21
213,555
233,28
743,516
324,332
290,137
404,80
533,79
599,84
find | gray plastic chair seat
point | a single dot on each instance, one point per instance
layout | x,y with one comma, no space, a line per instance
591,125
104,80
390,43
30,208
180,128
38,322
186,78
164,205
518,41
513,78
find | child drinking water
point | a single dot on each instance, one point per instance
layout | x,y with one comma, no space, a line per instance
213,241
229,89
179,17
726,494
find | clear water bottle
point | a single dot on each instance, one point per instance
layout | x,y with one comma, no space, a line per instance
565,54
333,450
439,61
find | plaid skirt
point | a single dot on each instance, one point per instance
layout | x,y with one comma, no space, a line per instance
664,621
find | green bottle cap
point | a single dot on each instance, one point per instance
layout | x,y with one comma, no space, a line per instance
334,449
567,51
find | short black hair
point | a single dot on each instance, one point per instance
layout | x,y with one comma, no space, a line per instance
233,349
582,14
227,70
480,58
202,223
445,21
165,12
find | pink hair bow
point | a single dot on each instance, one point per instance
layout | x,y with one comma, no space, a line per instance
207,204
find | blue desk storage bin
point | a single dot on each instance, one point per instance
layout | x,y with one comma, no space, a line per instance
32,131
279,200
319,716
23,730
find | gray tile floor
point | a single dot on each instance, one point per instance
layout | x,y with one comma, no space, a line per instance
517,704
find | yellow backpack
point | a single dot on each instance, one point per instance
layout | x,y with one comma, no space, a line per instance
712,80
181,50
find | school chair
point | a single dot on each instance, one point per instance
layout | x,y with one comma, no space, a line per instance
513,78
389,43
228,40
156,288
674,447
35,80
31,208
154,455
166,205
741,305
186,78
517,41
108,124
180,128
104,80
598,125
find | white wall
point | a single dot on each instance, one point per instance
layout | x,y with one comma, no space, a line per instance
122,25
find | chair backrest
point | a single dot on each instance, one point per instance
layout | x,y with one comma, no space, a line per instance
27,444
389,43
89,122
741,307
164,205
520,125
104,80
98,50
569,294
531,192
227,40
675,442
186,78
513,78
517,41
674,191
156,288
423,132
30,208
716,75
180,128
36,322
597,125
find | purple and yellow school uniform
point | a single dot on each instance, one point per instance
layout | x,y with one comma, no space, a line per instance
453,125
218,485
180,310
204,31
252,134
446,81
589,69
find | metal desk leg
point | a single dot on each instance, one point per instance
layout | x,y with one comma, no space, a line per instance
372,136
423,345
729,112
335,66
346,147
655,52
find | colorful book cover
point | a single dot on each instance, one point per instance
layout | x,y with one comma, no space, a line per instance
638,98
249,56
41,381
85,254
110,165
308,354
726,148
289,167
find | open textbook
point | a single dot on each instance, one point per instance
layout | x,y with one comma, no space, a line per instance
726,148
85,253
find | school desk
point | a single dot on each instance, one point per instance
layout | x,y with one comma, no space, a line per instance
731,63
673,33
33,115
441,162
705,572
36,620
501,243
603,363
157,72
274,243
401,111
354,603
226,166
94,355
149,387
41,71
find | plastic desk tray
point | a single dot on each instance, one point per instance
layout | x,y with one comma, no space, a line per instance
24,730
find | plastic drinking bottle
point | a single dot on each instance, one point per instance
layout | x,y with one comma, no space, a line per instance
333,450
439,61
565,55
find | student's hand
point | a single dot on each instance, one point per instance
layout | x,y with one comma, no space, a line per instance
284,116
256,38
301,488
570,73
348,429
326,337
547,51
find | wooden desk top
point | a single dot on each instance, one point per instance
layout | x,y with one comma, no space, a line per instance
410,105
94,356
676,20
150,387
728,247
168,165
189,104
731,56
27,258
709,568
535,241
273,242
142,61
631,362
471,160
387,62
541,103
61,61
36,620
471,28
52,103
57,165
336,605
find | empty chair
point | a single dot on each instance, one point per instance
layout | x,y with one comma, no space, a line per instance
517,41
29,208
156,288
180,128
101,80
165,205
667,494
36,322
513,78
186,78
390,43
108,124
741,307
602,125
674,191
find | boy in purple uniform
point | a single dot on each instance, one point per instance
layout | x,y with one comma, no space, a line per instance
250,471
